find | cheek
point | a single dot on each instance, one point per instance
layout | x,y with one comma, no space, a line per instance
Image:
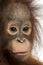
20,47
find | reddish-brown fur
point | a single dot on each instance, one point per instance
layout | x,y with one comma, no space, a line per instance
31,60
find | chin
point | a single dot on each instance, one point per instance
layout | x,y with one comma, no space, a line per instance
21,56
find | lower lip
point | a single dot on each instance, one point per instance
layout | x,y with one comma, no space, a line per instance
21,53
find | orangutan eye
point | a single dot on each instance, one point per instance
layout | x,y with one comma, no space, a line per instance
13,29
26,29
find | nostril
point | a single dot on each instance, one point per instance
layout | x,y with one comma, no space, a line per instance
18,40
21,41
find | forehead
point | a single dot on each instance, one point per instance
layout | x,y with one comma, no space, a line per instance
17,11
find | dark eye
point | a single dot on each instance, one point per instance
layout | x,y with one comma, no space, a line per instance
13,29
25,29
